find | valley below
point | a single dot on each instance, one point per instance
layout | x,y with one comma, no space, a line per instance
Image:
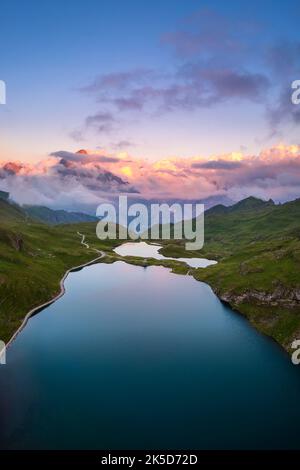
255,243
139,314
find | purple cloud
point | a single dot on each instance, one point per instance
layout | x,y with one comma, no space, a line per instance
218,165
119,80
103,122
216,65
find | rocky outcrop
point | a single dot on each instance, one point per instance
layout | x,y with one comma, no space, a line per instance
17,242
12,239
280,296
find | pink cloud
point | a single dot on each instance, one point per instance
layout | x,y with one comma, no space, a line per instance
68,179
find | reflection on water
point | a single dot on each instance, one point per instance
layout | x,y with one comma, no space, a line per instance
144,250
134,357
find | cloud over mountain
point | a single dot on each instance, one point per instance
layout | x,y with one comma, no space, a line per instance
65,179
81,180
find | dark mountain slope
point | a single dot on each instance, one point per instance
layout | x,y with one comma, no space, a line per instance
55,217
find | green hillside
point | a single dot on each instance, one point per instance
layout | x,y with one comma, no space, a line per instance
33,259
10,213
55,217
257,245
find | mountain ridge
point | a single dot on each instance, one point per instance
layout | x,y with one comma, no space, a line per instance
57,216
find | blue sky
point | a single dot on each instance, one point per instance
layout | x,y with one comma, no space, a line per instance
59,60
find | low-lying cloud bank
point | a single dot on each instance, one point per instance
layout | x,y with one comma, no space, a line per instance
83,179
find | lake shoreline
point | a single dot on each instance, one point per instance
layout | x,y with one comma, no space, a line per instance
176,267
62,291
101,345
146,263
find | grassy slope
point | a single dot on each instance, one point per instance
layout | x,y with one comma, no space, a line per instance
33,259
258,249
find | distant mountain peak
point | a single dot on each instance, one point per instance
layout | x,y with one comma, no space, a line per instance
248,203
12,168
252,202
4,195
218,209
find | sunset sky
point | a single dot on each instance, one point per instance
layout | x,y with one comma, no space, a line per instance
169,98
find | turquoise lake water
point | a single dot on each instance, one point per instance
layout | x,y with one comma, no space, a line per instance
134,357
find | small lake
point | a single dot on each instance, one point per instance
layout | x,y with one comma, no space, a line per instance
145,250
140,358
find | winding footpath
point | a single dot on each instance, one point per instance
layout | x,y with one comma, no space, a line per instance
82,240
62,288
